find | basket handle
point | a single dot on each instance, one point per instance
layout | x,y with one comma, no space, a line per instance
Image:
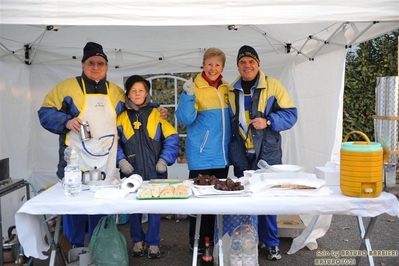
357,132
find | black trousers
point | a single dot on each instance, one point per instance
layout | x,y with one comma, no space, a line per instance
207,221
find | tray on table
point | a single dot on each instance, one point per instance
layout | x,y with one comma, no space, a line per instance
200,192
162,185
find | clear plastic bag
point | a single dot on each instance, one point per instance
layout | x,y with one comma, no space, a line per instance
108,244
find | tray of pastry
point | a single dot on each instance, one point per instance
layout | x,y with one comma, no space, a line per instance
163,191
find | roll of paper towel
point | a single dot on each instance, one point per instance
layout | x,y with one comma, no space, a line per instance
132,183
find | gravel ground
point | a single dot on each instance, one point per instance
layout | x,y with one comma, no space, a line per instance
342,235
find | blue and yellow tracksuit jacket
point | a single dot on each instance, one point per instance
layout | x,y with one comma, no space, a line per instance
269,100
206,116
144,137
65,101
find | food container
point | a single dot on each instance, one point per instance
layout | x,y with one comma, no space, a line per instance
361,169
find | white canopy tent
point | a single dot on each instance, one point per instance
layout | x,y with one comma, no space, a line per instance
302,43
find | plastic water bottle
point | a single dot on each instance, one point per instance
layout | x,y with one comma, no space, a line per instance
72,172
249,247
235,249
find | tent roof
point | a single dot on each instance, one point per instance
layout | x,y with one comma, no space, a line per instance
189,12
177,48
172,35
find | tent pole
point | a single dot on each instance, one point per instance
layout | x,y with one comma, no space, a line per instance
267,36
300,53
28,60
10,52
361,33
328,40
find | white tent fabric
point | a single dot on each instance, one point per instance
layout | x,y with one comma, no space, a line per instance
302,43
189,12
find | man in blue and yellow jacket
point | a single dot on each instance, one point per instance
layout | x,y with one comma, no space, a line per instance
89,97
260,108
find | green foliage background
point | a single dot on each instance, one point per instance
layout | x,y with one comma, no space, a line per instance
371,59
164,92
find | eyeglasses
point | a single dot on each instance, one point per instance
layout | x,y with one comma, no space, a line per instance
93,64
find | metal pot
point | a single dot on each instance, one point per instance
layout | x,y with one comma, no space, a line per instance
11,246
93,175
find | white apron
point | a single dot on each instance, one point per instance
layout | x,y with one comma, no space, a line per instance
101,149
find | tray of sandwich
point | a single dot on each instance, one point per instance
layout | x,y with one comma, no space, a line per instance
157,191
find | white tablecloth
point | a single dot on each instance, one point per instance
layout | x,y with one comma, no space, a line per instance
31,232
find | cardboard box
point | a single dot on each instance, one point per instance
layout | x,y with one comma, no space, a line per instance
331,175
289,226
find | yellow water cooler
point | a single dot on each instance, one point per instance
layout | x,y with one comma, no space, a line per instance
361,170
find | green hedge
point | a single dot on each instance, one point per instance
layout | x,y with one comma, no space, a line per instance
366,62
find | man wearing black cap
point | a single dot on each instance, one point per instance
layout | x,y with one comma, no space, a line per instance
262,108
89,97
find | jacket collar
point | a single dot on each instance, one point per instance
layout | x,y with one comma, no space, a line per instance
215,83
200,82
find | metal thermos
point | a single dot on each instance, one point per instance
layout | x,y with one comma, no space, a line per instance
93,175
85,131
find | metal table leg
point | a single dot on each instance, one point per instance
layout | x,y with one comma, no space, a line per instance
196,239
220,242
53,241
365,238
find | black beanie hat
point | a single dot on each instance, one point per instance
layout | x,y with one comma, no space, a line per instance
247,51
133,79
92,49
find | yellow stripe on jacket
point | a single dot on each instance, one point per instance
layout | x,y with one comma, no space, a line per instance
152,125
71,88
